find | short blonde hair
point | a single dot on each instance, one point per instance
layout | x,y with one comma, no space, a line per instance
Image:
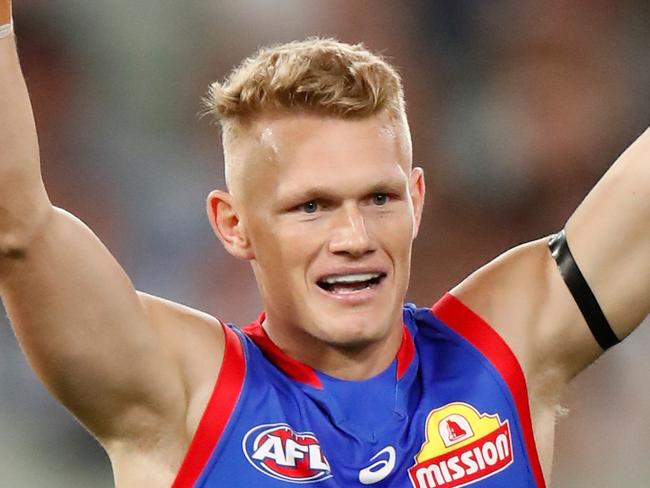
315,76
322,76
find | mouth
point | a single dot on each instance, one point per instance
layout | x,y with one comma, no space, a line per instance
347,284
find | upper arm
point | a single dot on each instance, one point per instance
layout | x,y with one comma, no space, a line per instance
86,332
609,236
110,355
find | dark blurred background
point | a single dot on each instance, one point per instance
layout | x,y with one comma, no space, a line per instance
516,107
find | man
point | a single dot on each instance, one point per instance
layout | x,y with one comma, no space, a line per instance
338,383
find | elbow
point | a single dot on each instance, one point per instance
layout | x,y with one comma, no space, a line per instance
18,235
13,247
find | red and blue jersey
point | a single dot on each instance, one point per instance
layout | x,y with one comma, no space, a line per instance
451,410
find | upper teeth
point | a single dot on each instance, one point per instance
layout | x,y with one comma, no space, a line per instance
351,278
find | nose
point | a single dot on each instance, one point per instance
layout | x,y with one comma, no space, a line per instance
350,235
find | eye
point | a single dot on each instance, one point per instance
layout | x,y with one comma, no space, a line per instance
380,199
309,207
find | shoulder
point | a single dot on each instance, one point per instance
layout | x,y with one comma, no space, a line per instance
522,296
173,316
510,290
187,333
195,341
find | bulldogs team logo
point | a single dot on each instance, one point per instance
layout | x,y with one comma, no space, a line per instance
280,452
462,447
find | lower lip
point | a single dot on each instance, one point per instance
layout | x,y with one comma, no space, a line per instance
355,297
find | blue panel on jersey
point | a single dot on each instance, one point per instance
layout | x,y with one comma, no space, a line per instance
448,421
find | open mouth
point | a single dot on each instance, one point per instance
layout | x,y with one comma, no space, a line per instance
350,283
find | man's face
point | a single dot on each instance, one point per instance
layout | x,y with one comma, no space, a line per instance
330,208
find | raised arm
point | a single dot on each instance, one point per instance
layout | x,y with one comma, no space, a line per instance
522,293
609,235
23,201
104,350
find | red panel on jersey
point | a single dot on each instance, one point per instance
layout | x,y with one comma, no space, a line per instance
303,373
217,413
293,368
479,333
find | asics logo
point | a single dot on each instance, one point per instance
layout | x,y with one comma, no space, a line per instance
380,469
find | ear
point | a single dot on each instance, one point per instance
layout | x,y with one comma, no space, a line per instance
418,191
227,225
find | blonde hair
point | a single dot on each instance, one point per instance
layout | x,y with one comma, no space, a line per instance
315,76
322,76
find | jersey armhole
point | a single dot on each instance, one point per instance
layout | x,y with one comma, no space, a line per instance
458,317
217,413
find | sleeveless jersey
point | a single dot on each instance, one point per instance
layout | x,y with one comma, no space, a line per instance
451,410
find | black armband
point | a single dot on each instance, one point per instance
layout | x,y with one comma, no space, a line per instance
581,292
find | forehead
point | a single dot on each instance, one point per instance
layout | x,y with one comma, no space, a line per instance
307,143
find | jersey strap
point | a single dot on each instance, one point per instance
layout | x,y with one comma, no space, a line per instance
581,292
220,406
453,313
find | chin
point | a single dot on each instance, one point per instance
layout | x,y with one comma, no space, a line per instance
354,332
341,323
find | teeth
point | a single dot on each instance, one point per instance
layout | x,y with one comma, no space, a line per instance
351,278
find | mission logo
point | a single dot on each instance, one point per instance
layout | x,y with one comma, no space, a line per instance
280,452
461,447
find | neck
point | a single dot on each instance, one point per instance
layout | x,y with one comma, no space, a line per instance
348,362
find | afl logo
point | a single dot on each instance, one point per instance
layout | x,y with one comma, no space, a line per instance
281,453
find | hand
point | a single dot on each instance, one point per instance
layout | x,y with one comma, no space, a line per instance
6,27
5,12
